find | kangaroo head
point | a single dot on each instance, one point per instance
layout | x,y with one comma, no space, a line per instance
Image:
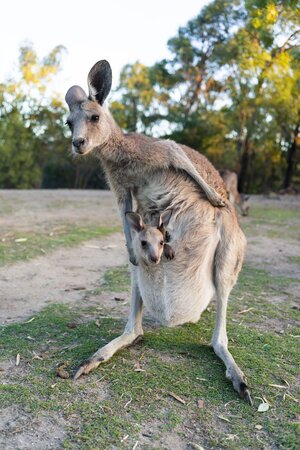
90,121
148,240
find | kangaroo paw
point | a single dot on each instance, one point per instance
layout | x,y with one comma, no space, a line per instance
239,383
87,367
216,200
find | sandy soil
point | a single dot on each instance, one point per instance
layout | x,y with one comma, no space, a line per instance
66,274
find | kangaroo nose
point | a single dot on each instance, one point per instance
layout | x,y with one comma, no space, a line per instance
78,142
154,258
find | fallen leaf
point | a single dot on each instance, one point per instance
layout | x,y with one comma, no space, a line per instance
36,356
292,398
196,446
259,427
97,323
278,386
21,240
137,368
245,310
72,325
92,246
179,399
286,382
224,418
232,437
263,407
18,359
30,320
200,403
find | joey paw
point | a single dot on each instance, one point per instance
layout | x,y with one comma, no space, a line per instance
169,252
132,258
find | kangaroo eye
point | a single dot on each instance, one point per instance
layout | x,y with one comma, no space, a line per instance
143,243
95,118
161,243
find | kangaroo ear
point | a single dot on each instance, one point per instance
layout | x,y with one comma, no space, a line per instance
99,81
135,221
75,96
164,218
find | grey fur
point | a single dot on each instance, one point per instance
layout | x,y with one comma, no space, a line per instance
208,241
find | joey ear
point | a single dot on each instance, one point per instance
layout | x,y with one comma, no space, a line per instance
164,218
75,96
135,221
99,81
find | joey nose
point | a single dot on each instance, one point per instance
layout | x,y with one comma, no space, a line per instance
78,142
154,259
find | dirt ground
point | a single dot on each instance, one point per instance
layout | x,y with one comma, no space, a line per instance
67,273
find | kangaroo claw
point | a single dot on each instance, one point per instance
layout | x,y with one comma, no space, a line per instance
245,393
87,367
215,199
218,202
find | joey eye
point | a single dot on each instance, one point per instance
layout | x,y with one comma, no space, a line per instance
95,118
144,243
161,243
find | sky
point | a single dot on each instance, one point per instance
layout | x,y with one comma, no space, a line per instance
119,31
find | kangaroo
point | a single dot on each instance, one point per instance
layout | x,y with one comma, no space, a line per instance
129,159
149,242
238,200
160,175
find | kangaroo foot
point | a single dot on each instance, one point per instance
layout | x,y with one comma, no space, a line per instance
239,383
106,352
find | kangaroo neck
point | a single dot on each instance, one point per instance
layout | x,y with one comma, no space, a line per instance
120,149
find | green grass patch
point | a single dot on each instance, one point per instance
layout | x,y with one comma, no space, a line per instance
116,279
272,214
25,246
115,400
294,259
256,289
282,223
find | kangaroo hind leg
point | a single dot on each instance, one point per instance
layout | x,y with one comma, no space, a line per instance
227,264
132,333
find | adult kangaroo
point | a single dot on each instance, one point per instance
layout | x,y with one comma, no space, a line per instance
160,174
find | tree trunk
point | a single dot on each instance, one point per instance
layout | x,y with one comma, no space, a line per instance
245,159
291,158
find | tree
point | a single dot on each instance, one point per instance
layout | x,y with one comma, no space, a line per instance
31,120
231,89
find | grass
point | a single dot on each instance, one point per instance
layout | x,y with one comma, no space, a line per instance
283,223
116,279
294,259
24,246
116,400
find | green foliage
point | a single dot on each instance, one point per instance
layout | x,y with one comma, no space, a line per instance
34,142
230,89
